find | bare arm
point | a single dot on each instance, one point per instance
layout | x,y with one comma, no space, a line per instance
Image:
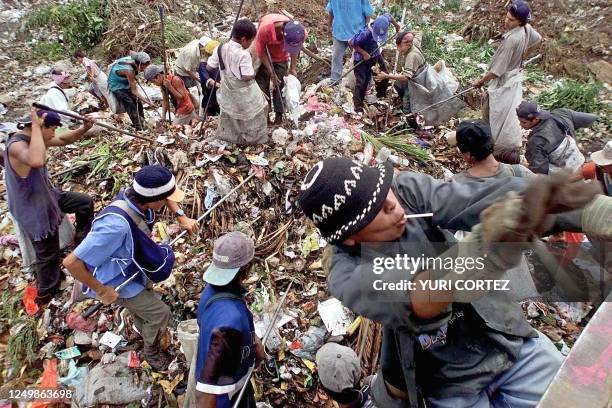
293,66
205,400
79,271
133,85
34,154
422,304
488,76
170,87
364,53
72,136
330,20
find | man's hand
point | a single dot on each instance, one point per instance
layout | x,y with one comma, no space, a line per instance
366,55
381,76
38,121
166,83
276,81
89,122
293,72
107,295
188,224
478,83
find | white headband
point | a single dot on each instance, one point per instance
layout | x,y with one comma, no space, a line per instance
154,191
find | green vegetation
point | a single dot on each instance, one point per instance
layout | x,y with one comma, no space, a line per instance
177,35
23,342
49,51
452,5
82,22
399,145
575,95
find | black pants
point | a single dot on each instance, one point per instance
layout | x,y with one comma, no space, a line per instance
209,95
363,75
263,80
132,106
48,273
404,93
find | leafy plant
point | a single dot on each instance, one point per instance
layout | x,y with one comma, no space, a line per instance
177,34
23,342
575,95
398,144
81,22
10,305
49,51
452,5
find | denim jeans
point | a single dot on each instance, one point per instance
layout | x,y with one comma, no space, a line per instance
338,59
520,386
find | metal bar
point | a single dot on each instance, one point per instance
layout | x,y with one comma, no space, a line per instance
160,8
397,50
362,61
444,101
276,86
82,118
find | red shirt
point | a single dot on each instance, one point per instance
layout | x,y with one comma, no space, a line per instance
266,36
183,106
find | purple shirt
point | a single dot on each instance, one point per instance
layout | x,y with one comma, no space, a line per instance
365,40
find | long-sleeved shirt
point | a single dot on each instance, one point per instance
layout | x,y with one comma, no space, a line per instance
188,59
509,55
364,39
414,60
547,135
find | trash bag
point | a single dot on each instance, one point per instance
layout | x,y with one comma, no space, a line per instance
505,94
291,92
29,300
308,344
48,381
114,384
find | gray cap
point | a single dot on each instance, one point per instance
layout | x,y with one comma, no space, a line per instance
152,71
338,366
231,252
141,57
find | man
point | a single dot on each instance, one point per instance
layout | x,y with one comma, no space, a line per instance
278,40
34,203
122,85
119,247
366,54
505,89
455,348
409,47
551,144
600,168
210,81
189,57
56,96
243,119
99,80
227,346
345,19
174,88
475,142
339,371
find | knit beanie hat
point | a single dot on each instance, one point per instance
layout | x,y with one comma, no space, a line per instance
155,183
342,196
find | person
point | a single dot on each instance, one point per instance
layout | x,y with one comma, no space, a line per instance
34,203
99,80
122,85
345,19
409,47
210,81
459,348
475,142
279,40
243,118
173,86
509,156
367,54
505,89
228,347
599,168
119,248
339,371
56,96
551,144
188,60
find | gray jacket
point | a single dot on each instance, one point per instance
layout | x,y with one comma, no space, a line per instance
547,135
496,323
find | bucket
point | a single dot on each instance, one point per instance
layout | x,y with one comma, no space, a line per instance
187,332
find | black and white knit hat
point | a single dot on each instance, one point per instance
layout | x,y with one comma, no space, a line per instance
342,196
156,183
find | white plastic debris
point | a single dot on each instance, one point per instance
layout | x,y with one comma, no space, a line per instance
336,317
291,92
280,136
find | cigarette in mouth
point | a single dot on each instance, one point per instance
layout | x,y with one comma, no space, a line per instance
407,216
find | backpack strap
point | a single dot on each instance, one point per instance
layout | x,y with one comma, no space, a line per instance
221,63
222,295
138,220
62,91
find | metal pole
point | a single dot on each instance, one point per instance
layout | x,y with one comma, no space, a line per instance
82,118
445,100
163,40
397,50
362,61
263,341
276,86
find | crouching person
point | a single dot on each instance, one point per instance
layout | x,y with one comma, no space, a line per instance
228,346
174,87
244,114
119,248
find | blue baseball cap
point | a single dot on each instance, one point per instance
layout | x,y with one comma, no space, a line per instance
380,28
52,119
294,33
521,10
230,252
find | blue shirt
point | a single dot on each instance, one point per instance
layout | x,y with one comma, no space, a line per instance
349,17
226,344
365,40
117,82
107,252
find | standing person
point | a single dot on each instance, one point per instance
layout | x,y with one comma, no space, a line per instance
173,86
279,39
244,111
34,203
210,83
119,246
367,54
453,348
187,64
600,168
551,144
345,19
475,142
122,85
505,89
409,47
56,96
227,345
99,80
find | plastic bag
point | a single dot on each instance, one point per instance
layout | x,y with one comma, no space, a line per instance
308,344
29,300
49,380
291,92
